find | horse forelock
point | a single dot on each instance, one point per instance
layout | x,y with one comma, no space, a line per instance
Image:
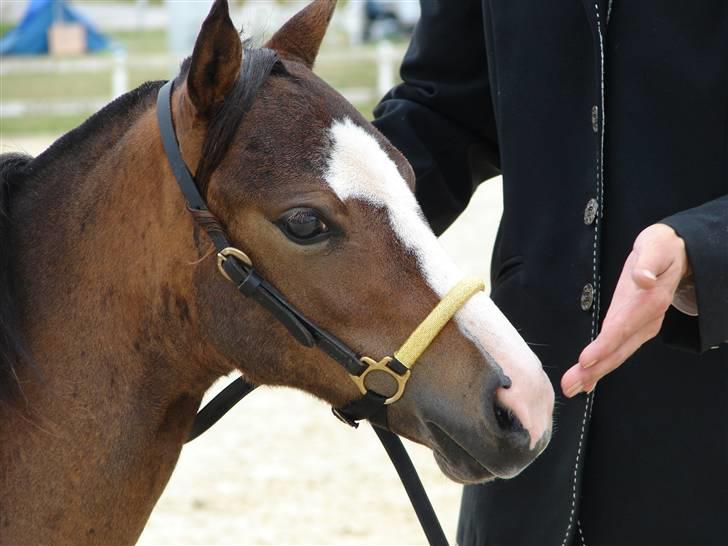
257,65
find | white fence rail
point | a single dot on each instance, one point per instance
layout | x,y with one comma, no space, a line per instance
119,65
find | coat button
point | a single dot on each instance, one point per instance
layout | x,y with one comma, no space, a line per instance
587,297
590,211
595,118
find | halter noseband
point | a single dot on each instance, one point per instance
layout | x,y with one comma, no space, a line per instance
238,268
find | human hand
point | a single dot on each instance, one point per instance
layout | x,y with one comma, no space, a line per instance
645,290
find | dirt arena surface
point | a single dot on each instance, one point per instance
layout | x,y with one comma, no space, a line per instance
280,469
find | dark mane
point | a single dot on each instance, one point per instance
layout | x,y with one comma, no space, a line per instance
11,349
258,64
17,173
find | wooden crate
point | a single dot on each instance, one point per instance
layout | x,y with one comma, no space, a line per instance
66,39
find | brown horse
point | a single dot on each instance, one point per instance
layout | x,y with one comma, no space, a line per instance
114,318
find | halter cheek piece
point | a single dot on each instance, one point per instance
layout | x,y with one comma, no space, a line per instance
238,268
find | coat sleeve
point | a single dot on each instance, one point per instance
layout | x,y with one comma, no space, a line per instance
441,117
705,232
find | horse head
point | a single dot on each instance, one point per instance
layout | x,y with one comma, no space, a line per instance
323,206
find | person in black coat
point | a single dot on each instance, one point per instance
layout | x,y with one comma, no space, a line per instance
609,123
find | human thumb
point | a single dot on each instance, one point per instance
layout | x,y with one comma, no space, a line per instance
651,262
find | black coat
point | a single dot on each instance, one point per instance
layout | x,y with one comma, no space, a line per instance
626,104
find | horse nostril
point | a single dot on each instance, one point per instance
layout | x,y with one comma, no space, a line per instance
506,419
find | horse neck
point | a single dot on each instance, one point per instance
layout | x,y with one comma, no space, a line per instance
107,321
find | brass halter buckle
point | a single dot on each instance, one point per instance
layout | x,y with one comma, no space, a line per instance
419,340
231,251
382,366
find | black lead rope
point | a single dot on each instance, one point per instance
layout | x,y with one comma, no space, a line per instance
413,485
222,403
250,284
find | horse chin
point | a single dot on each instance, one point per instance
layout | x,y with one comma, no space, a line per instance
466,471
455,462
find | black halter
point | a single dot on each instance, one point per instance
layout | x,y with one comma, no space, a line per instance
238,268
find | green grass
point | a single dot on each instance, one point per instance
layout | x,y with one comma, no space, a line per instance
67,86
79,86
340,75
39,125
43,86
365,108
58,125
152,42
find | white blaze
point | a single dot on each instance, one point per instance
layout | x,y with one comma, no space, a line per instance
358,168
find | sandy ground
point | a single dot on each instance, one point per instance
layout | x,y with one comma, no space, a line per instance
280,469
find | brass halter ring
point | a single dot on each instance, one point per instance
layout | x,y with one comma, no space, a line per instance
382,366
419,340
231,251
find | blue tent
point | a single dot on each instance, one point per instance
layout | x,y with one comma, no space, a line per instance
30,37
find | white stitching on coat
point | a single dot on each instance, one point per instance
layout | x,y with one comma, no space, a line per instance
581,533
597,281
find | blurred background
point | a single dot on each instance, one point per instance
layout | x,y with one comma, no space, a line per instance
63,60
278,469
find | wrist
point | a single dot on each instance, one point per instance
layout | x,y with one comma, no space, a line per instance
684,299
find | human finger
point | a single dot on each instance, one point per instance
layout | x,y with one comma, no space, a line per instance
658,248
624,319
580,379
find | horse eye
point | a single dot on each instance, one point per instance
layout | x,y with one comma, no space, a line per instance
303,226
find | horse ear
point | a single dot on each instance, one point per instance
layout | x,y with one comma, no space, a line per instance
300,38
216,60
